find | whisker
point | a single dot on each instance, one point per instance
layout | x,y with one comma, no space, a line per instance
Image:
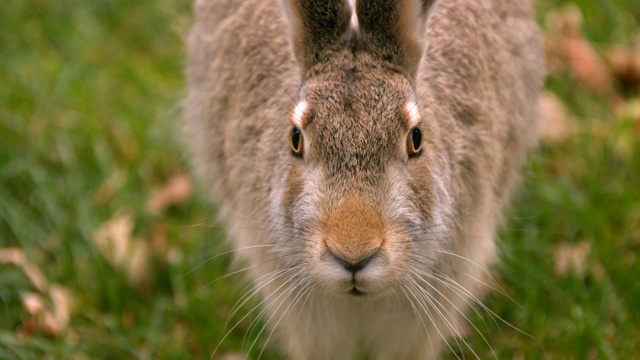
225,253
448,319
286,293
419,272
293,302
249,313
412,287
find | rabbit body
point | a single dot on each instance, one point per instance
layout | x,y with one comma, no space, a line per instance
357,245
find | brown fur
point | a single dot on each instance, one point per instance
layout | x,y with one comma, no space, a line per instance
425,224
353,231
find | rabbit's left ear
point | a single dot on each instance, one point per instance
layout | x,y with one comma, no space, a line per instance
395,30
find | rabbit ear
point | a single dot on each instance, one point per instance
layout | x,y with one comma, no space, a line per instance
317,28
395,30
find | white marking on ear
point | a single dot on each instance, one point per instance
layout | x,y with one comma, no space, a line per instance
354,15
298,113
414,115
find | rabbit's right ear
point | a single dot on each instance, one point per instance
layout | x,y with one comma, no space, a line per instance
395,30
317,28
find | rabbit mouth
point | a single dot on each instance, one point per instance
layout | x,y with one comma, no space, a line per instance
357,293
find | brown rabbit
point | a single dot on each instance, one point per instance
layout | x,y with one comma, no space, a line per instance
361,153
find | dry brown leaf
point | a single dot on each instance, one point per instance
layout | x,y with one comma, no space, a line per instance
625,63
34,274
565,19
555,123
42,317
29,327
115,242
138,266
62,305
33,303
113,239
559,22
572,257
176,191
50,325
16,257
232,356
584,63
11,256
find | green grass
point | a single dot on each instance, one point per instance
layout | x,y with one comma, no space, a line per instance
90,96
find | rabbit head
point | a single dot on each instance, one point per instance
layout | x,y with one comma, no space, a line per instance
360,188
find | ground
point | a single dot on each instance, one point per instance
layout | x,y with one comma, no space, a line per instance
107,249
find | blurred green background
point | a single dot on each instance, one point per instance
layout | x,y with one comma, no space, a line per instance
108,251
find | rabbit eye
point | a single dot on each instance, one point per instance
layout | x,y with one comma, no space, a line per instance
414,142
296,141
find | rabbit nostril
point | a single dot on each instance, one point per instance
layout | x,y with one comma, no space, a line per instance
354,266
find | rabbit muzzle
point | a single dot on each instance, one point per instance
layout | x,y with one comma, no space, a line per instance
357,255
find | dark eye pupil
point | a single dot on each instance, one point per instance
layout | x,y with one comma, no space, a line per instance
295,139
416,137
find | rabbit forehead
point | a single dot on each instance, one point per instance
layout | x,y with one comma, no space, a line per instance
348,146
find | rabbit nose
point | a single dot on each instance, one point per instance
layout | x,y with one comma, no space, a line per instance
353,266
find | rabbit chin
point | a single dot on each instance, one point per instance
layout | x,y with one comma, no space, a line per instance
377,279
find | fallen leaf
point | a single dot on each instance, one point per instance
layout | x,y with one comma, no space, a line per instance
11,256
625,64
16,257
50,325
571,257
232,356
50,317
62,305
176,191
555,124
114,240
138,266
34,274
584,63
29,327
33,303
557,23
